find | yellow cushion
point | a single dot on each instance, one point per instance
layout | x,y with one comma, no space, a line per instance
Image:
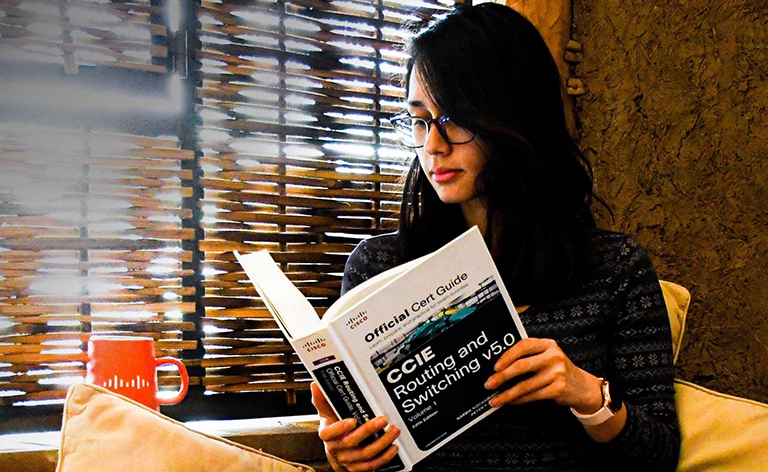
720,433
104,431
678,299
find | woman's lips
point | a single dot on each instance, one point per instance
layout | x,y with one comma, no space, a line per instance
444,175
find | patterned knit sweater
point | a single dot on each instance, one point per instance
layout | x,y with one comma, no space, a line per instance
613,324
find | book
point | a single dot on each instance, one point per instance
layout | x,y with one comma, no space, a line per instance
415,343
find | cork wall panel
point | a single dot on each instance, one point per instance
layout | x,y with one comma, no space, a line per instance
675,121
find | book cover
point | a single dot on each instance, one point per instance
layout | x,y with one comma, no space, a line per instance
415,343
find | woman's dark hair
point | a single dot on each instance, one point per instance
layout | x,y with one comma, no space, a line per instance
489,69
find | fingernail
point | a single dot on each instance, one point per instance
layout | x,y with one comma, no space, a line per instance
494,402
490,384
349,423
380,422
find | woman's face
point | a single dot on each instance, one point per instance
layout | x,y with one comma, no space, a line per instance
452,169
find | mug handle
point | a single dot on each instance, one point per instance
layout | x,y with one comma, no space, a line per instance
184,380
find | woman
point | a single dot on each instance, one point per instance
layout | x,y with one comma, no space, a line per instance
485,117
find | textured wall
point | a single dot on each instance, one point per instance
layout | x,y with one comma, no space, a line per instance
675,120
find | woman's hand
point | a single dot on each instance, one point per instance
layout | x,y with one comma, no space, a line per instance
343,439
548,374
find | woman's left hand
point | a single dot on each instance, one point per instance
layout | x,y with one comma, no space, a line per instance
548,374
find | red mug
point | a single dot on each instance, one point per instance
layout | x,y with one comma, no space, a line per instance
127,365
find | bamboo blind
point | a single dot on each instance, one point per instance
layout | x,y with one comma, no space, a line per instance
127,34
297,158
294,155
90,242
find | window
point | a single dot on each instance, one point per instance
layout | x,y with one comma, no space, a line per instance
122,217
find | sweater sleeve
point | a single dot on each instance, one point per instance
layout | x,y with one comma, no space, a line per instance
641,352
371,257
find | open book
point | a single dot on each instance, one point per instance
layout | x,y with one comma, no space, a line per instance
415,343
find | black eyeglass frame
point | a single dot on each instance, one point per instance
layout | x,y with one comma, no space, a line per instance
438,122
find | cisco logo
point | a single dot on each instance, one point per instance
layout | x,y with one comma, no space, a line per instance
116,382
315,344
357,320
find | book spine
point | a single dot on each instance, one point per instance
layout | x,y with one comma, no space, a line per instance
324,358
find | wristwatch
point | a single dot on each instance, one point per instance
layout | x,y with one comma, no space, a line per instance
611,405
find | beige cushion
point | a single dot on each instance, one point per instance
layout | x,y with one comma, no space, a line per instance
678,299
103,431
720,433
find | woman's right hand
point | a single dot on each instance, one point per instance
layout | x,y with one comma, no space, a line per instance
342,439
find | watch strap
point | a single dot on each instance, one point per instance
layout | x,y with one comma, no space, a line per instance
602,415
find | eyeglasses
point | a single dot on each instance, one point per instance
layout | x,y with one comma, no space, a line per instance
413,131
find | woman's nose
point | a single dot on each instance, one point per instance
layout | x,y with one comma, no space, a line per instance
435,142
